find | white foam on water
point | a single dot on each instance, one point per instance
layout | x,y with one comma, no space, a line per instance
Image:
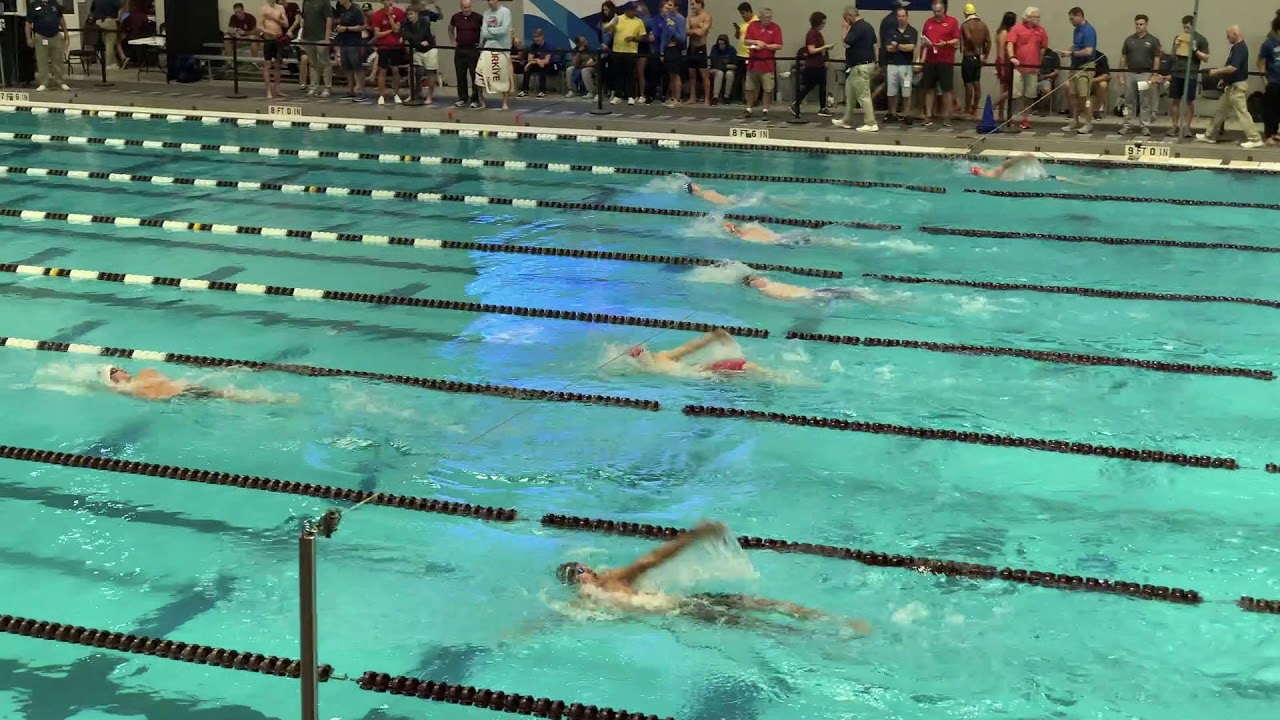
910,613
69,378
719,559
905,246
727,272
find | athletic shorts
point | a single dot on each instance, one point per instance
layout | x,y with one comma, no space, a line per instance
970,69
1178,85
1025,85
759,81
273,49
673,59
697,59
938,75
391,57
642,49
429,60
1082,79
352,58
898,80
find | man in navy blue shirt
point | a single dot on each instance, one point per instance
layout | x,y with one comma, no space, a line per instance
1234,80
1084,56
47,35
1269,63
859,68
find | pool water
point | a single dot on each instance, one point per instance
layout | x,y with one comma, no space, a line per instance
469,602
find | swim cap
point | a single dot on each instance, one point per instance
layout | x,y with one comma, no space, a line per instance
688,187
969,9
636,351
104,373
976,170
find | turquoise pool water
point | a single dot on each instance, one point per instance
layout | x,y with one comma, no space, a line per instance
468,602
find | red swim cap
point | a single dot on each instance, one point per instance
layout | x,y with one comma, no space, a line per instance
636,351
976,170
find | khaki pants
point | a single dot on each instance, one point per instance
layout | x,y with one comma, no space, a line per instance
110,28
51,53
857,87
1234,103
321,69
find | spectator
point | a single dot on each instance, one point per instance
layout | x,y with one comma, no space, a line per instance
645,52
583,70
723,59
764,40
1269,65
350,26
975,39
1004,68
672,33
628,30
887,25
901,45
386,24
859,68
939,40
494,68
1101,86
316,30
1050,67
1025,46
1233,78
537,63
240,27
1189,50
275,45
47,35
1140,55
417,35
107,15
464,34
748,17
604,63
1084,57
813,73
699,30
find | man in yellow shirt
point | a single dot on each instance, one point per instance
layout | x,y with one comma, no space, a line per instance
628,30
748,19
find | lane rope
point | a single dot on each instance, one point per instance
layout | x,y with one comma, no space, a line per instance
450,386
374,298
586,136
523,203
1124,199
513,165
1005,234
416,242
935,566
499,700
254,482
972,438
1071,290
1051,356
924,565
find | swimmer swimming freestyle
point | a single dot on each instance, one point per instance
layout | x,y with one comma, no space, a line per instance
757,233
150,384
1023,166
671,362
707,194
616,588
783,291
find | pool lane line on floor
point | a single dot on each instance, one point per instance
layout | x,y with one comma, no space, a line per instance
475,163
1010,235
427,243
483,698
376,299
452,386
932,566
1071,290
1052,356
484,200
972,438
615,137
1123,199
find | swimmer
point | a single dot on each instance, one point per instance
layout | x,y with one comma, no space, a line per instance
783,291
1025,167
617,588
671,362
753,232
703,193
149,384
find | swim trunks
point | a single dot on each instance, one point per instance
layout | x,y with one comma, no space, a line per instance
727,366
835,293
201,393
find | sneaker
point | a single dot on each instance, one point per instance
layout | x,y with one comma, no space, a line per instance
1070,127
868,128
795,110
824,113
1026,124
1251,144
348,97
1173,132
839,122
946,123
396,97
522,94
746,113
1202,137
364,99
891,118
542,94
1086,130
1145,132
1125,130
570,94
460,104
41,89
309,91
615,101
642,101
324,93
64,87
590,98
670,104
382,100
764,112
475,105
906,121
632,101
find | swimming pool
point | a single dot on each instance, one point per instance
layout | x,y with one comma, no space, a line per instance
464,601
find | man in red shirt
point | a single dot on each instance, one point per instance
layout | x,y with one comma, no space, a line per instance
1026,43
385,24
938,42
763,39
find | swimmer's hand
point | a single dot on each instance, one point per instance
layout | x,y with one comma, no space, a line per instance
722,335
708,529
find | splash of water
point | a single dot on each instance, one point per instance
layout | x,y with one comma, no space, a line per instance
728,272
719,559
69,378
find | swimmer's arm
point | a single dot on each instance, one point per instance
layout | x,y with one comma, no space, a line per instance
695,345
632,572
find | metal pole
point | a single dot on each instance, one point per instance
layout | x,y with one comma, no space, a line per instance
599,109
307,616
235,69
102,59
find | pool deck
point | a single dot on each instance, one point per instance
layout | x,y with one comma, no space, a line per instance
710,124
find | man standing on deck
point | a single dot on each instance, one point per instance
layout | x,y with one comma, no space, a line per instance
1234,80
494,70
938,42
1141,56
859,67
317,29
975,45
699,68
1189,50
464,34
1084,60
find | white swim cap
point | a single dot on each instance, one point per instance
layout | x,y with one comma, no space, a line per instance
104,373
